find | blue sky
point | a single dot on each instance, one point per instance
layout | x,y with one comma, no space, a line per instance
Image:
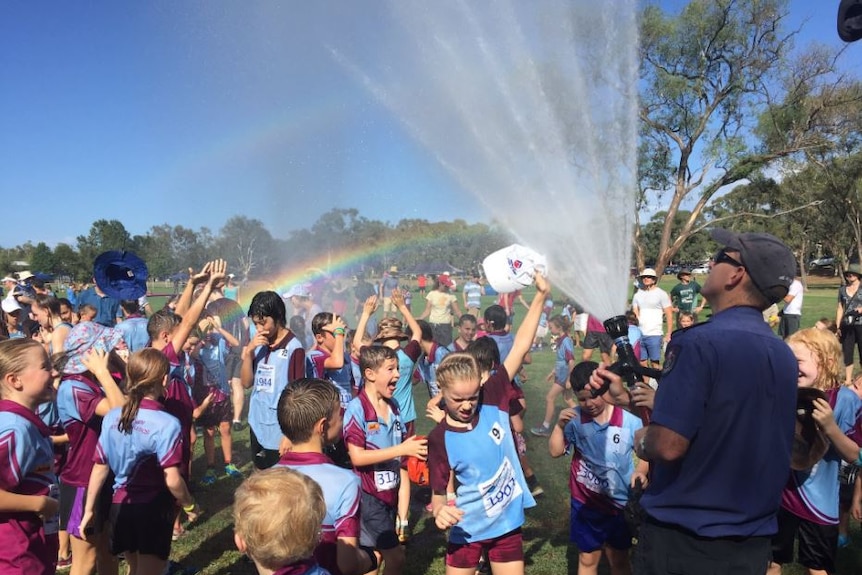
192,112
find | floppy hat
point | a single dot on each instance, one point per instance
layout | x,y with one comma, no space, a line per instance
121,275
648,273
25,275
770,264
390,328
85,336
809,442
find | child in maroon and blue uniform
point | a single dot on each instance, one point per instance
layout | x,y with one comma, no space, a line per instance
87,392
142,445
28,517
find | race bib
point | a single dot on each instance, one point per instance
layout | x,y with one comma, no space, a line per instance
386,480
264,378
52,524
499,491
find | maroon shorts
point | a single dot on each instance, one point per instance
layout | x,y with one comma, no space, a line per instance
503,549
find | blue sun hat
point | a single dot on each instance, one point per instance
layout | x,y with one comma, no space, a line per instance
82,338
121,275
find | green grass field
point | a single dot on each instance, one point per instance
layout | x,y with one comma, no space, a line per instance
209,546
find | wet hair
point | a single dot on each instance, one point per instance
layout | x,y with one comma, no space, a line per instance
130,306
302,404
632,318
145,375
457,366
268,304
65,302
561,322
319,321
427,333
13,356
826,349
49,302
580,376
495,318
278,513
372,357
486,352
163,320
467,317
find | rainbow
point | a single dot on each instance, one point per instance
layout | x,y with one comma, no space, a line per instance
343,262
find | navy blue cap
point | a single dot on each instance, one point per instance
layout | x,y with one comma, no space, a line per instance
121,275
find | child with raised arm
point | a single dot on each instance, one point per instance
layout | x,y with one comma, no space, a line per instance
28,486
390,334
310,416
474,445
212,381
141,444
86,393
277,515
601,437
376,442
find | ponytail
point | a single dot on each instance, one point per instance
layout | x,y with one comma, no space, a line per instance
145,375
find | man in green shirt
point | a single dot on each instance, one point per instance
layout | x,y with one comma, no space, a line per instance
685,296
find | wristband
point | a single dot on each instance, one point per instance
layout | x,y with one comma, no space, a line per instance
190,508
372,557
338,331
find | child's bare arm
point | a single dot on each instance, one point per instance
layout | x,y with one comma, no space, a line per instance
527,331
557,440
846,447
398,300
412,446
368,308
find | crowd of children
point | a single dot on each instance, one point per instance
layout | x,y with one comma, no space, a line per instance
332,426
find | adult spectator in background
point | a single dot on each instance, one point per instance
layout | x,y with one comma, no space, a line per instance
716,471
361,292
388,282
685,295
652,307
849,318
230,289
107,308
440,304
507,302
232,318
134,326
791,315
472,294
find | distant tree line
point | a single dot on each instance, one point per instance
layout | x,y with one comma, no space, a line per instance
252,251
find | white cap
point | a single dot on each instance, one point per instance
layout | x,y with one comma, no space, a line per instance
9,304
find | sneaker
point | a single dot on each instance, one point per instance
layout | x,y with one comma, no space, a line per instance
64,564
209,477
231,470
541,431
534,486
238,426
843,541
